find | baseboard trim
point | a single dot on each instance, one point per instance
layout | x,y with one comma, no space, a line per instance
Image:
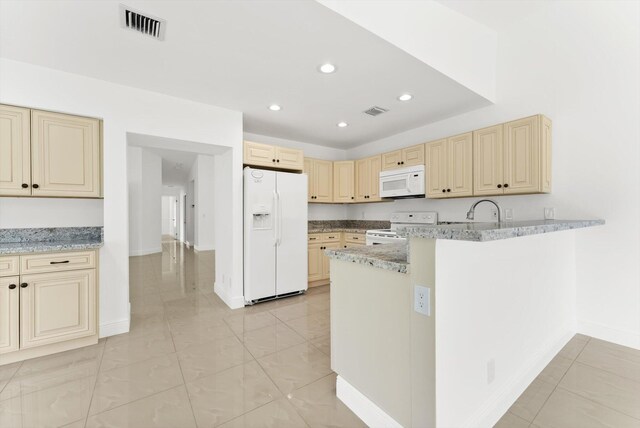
145,252
603,332
113,328
198,248
365,409
499,402
234,302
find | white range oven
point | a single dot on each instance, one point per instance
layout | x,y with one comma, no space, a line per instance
406,182
389,236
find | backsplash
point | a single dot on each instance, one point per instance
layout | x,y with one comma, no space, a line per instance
47,234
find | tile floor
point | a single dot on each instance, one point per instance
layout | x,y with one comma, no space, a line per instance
190,361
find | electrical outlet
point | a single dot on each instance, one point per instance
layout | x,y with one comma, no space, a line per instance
549,213
422,300
491,371
508,213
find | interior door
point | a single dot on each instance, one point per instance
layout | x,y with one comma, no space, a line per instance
15,151
292,214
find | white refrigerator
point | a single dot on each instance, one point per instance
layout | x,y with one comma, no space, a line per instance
275,234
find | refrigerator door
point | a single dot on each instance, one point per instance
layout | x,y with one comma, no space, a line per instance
259,234
291,250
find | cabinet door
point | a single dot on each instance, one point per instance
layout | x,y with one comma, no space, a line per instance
343,181
488,165
363,181
258,154
57,306
9,314
65,155
436,170
413,155
375,166
522,156
289,158
315,262
391,160
545,154
15,148
326,271
323,171
460,165
311,178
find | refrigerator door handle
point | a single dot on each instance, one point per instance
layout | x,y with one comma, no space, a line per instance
275,215
279,220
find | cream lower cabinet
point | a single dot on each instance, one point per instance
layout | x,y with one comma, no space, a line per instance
368,179
450,167
318,262
50,311
320,180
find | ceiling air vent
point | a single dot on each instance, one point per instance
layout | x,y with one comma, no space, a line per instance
142,22
374,111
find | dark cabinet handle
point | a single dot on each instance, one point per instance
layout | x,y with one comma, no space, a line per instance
448,190
273,160
278,160
444,190
398,163
352,197
25,185
59,263
35,186
12,286
499,186
402,163
506,185
24,285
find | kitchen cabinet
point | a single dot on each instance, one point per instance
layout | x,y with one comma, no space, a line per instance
344,181
408,156
320,180
15,151
267,155
353,240
450,167
50,306
315,264
513,158
318,266
326,270
368,179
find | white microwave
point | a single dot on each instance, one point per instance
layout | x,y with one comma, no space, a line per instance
406,182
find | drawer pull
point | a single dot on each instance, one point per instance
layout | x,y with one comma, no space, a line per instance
59,263
24,285
12,286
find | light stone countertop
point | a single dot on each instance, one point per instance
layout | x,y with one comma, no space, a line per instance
13,248
42,240
386,256
336,230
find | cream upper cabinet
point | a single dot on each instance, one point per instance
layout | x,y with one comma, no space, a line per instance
450,167
15,151
320,180
545,154
259,154
344,181
522,156
408,156
57,306
289,158
436,171
488,165
65,155
368,179
9,314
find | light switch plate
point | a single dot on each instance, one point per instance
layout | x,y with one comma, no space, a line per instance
422,300
508,213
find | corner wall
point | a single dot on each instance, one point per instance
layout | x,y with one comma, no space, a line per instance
145,203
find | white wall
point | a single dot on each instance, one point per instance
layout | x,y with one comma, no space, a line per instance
125,109
205,203
578,63
145,206
50,212
166,214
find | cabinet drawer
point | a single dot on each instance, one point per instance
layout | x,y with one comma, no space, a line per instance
314,238
331,237
56,262
354,237
9,265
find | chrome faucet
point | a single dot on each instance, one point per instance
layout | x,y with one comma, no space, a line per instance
472,210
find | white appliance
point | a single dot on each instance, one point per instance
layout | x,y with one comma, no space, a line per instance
406,182
275,234
389,236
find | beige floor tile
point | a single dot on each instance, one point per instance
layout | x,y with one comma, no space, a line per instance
296,367
573,348
76,424
168,409
556,368
277,414
242,323
509,420
123,385
532,399
223,396
613,358
323,343
567,410
51,407
6,373
208,358
312,326
294,311
267,340
319,407
147,304
603,387
53,370
125,349
147,324
198,332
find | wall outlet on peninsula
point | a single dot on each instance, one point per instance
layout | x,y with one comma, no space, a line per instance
422,300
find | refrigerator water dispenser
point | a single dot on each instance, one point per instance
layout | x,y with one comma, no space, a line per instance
261,217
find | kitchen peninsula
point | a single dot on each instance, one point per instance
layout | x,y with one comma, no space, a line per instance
500,304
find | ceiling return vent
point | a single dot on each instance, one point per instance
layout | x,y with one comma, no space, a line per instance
142,22
374,111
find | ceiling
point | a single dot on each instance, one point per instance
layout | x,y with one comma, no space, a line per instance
244,55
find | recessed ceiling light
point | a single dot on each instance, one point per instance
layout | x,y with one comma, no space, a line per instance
342,124
405,97
275,107
327,68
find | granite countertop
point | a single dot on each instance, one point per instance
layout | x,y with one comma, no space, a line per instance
387,256
336,229
348,226
482,232
41,240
